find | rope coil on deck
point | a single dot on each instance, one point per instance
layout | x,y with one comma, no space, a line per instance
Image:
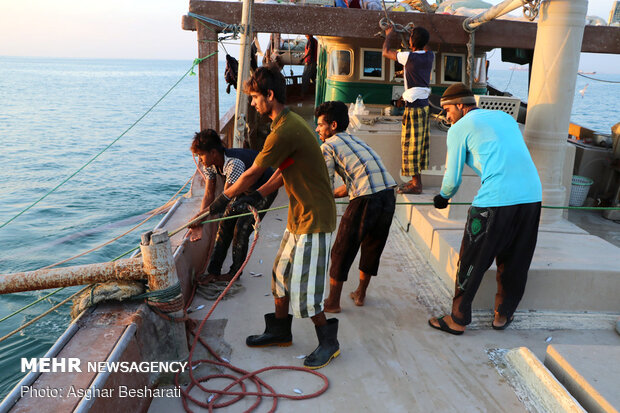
216,394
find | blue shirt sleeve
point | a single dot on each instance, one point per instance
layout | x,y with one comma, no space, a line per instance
455,162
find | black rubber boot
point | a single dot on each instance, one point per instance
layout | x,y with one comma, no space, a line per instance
277,333
328,348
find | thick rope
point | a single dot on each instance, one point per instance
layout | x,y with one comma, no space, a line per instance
91,160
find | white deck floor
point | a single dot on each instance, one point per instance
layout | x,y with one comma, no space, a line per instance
391,360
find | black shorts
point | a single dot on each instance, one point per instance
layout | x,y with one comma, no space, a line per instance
365,223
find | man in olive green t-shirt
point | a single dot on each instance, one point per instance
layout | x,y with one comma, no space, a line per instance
299,271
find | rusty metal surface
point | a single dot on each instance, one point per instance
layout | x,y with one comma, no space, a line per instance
444,29
158,263
127,269
97,336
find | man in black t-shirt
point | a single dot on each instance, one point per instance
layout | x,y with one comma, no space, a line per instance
230,163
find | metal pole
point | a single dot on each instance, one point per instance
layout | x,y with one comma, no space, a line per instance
472,23
126,269
243,73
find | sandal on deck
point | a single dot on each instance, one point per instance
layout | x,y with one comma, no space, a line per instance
503,327
444,327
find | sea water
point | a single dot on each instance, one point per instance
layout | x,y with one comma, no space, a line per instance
56,114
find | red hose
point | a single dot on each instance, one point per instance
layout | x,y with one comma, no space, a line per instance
244,375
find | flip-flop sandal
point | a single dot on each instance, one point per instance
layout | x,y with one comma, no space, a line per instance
444,327
506,324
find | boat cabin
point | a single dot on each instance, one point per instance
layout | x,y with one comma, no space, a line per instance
348,67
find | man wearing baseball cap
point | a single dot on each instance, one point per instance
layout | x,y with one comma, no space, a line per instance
502,223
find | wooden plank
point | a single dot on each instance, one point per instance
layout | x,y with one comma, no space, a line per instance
444,29
601,39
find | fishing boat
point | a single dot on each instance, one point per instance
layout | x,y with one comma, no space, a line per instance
561,353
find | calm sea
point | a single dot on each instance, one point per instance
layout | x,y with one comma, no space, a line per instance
55,114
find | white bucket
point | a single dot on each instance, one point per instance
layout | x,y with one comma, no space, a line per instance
580,186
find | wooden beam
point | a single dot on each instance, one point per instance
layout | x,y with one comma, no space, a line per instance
357,23
207,78
601,39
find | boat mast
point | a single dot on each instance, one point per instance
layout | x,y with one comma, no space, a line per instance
552,90
243,73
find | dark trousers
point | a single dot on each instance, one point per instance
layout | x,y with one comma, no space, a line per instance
309,75
507,234
365,223
237,231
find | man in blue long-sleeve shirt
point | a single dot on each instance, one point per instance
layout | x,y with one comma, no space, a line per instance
502,223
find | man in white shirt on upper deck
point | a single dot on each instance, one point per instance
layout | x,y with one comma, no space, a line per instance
417,66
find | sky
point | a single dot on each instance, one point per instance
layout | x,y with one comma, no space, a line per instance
143,29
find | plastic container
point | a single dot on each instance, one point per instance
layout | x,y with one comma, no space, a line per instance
580,186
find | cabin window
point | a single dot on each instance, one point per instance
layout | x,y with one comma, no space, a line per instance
480,74
340,63
397,72
453,68
371,64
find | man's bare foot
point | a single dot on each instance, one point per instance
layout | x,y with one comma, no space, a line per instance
331,307
357,298
207,278
500,322
224,277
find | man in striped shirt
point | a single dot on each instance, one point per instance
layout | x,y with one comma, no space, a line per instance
367,219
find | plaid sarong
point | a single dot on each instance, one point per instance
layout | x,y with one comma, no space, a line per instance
299,271
414,140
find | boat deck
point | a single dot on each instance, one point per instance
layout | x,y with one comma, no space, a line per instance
391,360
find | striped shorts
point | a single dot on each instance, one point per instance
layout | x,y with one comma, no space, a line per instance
299,271
414,140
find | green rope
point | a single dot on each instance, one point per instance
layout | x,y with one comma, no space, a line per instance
190,72
469,203
125,253
160,296
286,206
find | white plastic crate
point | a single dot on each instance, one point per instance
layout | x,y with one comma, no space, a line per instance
510,105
